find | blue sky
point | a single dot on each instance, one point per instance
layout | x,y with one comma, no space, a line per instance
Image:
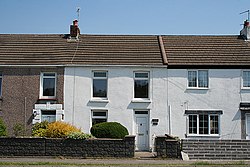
193,17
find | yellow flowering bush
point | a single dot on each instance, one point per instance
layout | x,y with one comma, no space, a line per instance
60,129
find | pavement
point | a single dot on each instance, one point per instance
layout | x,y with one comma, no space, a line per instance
141,159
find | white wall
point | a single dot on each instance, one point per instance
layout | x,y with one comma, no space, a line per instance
78,95
224,93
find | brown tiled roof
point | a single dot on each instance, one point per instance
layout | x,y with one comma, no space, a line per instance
180,50
188,50
51,49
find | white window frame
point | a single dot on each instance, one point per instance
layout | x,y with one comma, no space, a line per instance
242,80
41,84
93,78
1,88
148,79
197,79
98,117
209,128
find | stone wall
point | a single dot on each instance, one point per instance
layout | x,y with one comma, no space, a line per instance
68,147
217,149
167,147
20,92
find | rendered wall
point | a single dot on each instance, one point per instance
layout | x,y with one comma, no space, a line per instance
224,93
120,106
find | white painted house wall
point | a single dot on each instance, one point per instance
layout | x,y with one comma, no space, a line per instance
120,104
224,93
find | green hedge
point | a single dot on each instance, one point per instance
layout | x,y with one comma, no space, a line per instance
109,130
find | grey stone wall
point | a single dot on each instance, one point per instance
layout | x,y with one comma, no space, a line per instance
167,147
217,149
68,147
20,92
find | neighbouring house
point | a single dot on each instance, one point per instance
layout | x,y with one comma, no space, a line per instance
32,78
183,85
209,85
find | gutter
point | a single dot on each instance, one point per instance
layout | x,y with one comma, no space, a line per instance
82,65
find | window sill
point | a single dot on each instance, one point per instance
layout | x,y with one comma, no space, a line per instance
99,100
245,88
44,98
196,88
202,136
141,101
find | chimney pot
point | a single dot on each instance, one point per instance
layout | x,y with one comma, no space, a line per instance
75,22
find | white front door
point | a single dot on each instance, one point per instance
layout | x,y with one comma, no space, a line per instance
141,121
248,127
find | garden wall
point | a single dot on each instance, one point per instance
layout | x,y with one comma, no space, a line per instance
68,147
167,147
217,149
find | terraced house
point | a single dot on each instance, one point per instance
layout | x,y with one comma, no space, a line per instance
187,86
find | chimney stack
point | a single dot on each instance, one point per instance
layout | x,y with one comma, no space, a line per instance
245,32
74,30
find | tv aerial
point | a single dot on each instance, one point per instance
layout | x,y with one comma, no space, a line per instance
78,13
248,13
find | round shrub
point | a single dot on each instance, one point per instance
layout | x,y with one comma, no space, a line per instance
60,129
3,131
109,130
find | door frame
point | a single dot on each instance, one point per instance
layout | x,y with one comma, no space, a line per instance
246,117
147,127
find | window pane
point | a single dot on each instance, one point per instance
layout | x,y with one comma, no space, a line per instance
192,79
100,74
98,120
141,88
246,78
49,74
49,116
203,124
214,124
49,87
203,78
141,75
100,88
100,114
192,124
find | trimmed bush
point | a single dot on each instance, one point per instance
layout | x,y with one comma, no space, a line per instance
3,131
60,130
39,129
109,130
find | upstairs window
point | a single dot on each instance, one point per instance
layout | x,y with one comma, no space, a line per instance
100,84
141,85
48,85
198,78
246,79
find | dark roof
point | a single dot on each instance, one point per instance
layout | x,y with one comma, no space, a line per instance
50,49
188,50
180,50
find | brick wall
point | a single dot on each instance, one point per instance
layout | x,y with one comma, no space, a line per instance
167,147
217,149
68,147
